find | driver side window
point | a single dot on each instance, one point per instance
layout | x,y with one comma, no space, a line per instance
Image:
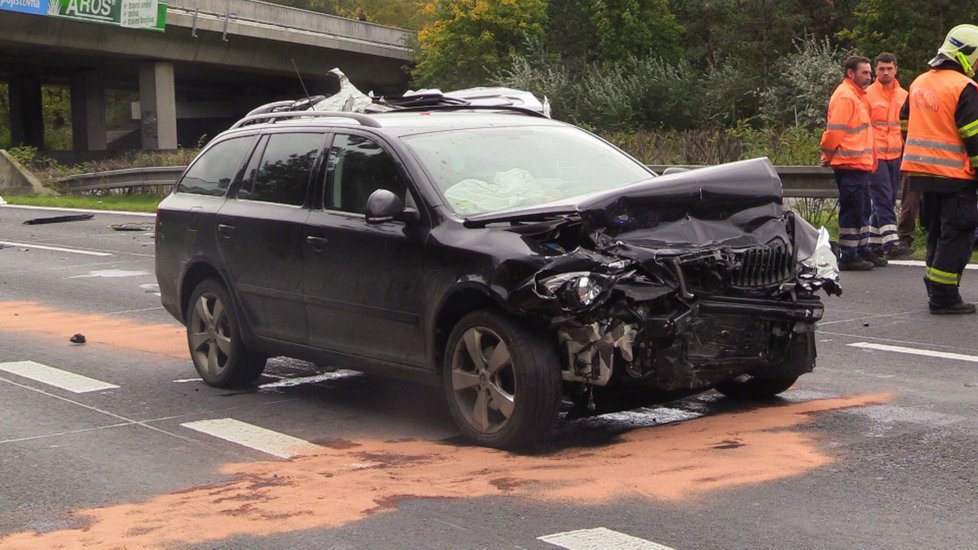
358,166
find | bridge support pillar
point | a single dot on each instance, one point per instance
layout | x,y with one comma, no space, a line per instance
158,105
26,118
87,112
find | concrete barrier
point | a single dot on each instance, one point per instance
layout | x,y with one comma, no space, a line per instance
17,180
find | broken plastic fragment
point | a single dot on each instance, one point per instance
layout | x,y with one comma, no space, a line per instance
132,226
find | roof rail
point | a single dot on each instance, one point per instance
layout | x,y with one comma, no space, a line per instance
469,107
364,120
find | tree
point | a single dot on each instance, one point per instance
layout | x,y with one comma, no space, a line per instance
637,28
912,30
570,32
470,39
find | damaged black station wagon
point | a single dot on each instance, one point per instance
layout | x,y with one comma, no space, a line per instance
524,263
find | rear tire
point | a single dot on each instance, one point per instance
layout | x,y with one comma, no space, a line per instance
747,386
216,348
501,380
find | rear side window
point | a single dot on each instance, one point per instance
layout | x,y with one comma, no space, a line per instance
285,169
214,170
357,168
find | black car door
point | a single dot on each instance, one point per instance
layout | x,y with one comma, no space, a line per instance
261,233
363,281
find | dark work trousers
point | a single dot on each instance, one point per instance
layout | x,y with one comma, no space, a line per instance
909,210
950,220
884,184
853,211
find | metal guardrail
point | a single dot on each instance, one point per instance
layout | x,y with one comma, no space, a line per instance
798,181
130,179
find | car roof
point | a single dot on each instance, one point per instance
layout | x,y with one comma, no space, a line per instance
397,123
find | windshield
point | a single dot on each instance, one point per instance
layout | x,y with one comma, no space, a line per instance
482,170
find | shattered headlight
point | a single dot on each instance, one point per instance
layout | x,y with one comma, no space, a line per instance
821,268
577,289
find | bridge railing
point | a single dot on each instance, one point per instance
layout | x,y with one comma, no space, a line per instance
797,181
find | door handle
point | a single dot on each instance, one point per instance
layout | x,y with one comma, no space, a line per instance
317,243
225,230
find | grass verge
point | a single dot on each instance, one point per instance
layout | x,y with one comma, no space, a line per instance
129,203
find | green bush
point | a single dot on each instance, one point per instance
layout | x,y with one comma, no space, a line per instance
801,96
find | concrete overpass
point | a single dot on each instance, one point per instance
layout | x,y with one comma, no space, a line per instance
216,60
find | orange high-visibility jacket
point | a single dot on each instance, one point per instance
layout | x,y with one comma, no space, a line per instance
848,138
884,111
934,144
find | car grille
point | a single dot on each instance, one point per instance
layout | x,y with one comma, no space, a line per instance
763,266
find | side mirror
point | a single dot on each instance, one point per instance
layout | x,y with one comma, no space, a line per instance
384,206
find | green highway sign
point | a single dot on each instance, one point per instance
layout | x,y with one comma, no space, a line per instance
135,14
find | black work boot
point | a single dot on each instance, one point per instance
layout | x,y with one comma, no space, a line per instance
873,258
953,309
946,300
855,264
898,251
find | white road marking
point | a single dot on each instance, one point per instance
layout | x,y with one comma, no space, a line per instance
83,210
56,248
254,437
915,351
920,263
55,377
110,274
185,380
600,538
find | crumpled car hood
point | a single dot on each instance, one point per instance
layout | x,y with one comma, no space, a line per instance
737,203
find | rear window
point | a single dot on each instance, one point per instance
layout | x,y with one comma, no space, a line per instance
213,171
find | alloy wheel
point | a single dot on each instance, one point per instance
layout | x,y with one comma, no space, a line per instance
210,334
483,380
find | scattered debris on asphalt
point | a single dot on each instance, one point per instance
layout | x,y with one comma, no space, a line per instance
60,219
78,339
145,226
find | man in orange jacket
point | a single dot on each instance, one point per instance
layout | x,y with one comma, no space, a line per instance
848,147
886,97
941,155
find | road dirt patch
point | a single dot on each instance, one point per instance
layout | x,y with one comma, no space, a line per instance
165,339
347,481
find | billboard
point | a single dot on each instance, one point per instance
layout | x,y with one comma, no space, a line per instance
133,14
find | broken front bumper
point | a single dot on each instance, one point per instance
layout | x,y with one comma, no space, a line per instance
698,345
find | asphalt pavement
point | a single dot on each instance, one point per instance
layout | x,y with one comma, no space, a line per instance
117,443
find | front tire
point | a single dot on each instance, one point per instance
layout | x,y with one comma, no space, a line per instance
748,386
214,337
501,380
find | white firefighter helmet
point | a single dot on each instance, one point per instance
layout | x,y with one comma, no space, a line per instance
960,46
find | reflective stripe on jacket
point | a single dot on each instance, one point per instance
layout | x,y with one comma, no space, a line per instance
848,138
935,144
884,111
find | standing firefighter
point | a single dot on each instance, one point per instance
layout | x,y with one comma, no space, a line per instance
940,121
847,146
